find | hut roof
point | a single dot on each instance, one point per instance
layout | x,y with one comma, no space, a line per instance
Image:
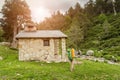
41,34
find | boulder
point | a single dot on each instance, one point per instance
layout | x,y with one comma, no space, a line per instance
1,58
5,43
79,52
90,53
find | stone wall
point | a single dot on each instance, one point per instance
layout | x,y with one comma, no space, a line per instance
63,40
56,46
33,49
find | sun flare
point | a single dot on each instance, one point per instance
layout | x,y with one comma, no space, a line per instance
39,14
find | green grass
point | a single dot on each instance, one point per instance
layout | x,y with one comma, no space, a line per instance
12,69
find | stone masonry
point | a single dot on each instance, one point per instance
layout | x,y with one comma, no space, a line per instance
33,49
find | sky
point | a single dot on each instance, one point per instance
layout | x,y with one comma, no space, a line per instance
44,8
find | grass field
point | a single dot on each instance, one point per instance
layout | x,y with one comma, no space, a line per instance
12,69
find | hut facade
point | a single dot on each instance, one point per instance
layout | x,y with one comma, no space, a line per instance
42,45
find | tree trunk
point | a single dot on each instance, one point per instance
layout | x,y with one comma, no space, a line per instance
14,41
115,13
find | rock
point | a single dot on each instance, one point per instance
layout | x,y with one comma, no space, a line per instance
90,53
110,62
79,52
1,58
5,43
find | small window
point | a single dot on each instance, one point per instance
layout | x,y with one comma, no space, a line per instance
46,42
30,26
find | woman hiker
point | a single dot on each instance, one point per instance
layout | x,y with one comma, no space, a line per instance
71,55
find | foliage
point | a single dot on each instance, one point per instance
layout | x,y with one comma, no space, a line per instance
56,22
1,34
112,43
110,57
101,18
78,26
74,23
11,68
12,11
104,35
94,26
117,3
77,31
98,53
96,7
118,58
90,9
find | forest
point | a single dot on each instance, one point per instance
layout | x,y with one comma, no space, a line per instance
95,26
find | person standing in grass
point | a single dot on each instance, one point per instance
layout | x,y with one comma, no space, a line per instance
71,55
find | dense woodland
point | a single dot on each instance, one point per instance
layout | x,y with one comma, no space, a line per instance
96,26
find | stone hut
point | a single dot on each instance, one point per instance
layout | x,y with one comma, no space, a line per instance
42,45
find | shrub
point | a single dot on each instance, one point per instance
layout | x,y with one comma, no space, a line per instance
118,58
108,57
105,61
99,54
114,50
1,33
105,53
84,51
110,42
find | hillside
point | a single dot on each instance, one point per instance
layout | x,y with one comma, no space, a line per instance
95,27
11,68
104,36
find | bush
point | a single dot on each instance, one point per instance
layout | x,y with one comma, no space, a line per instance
118,58
84,51
114,50
110,42
110,57
105,53
101,18
98,54
1,34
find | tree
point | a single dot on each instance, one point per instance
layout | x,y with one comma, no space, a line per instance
117,5
75,34
1,34
15,12
114,9
100,6
78,30
90,8
78,8
55,22
106,27
71,12
111,6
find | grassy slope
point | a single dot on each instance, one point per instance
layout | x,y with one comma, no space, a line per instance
11,68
